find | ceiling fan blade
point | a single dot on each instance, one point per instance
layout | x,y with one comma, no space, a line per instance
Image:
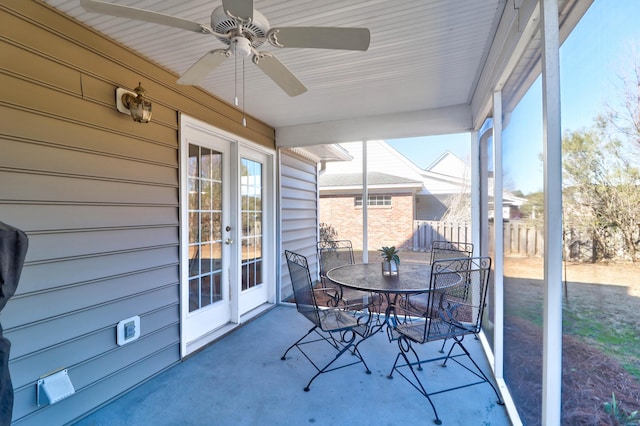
141,15
321,37
242,9
203,66
279,73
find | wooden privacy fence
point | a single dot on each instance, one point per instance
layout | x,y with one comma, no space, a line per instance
524,238
427,231
521,238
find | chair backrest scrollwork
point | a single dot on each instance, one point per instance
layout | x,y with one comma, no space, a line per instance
332,254
302,286
450,250
458,291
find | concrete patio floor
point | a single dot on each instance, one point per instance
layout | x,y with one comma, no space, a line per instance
240,380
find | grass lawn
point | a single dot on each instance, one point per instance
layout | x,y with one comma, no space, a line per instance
601,345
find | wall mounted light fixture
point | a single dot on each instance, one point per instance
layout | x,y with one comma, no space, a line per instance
134,104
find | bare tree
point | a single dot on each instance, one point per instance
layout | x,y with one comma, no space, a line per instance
601,167
459,203
624,117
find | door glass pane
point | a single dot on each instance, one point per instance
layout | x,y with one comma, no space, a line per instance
205,297
194,260
259,271
245,276
194,294
217,286
251,216
206,265
205,196
205,163
194,157
216,226
205,227
216,195
216,256
246,225
216,166
194,227
193,194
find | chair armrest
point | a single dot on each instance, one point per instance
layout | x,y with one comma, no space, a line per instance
407,311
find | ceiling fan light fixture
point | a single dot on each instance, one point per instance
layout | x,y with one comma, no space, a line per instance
241,47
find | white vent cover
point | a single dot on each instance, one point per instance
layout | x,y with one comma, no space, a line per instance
54,387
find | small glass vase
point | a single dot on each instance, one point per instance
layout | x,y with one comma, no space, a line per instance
389,267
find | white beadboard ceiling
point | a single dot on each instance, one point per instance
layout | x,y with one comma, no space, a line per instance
425,55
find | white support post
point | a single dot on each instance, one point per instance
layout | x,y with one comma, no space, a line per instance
498,233
365,206
552,156
476,206
484,193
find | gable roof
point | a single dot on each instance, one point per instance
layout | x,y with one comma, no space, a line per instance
375,180
387,169
448,162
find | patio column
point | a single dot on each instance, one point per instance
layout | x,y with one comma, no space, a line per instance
483,171
498,234
365,205
552,157
476,182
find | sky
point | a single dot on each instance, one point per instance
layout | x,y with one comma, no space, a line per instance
591,59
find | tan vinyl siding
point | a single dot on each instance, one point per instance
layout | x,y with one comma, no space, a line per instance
98,196
299,213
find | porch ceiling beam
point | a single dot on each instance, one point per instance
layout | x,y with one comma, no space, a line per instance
520,20
516,51
453,119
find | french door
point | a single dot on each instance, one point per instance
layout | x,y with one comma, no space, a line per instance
227,225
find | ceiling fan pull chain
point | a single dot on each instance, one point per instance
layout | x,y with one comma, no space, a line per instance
244,118
235,80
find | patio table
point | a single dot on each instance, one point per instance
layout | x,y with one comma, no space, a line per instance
412,278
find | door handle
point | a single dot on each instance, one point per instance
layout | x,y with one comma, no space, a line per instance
228,241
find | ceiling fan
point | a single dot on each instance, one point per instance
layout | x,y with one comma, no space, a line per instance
243,29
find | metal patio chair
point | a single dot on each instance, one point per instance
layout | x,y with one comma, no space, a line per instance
332,254
442,250
450,250
337,327
456,302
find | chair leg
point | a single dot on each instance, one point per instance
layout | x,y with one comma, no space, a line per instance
415,354
377,310
357,353
417,384
284,356
478,371
444,342
344,344
347,345
456,342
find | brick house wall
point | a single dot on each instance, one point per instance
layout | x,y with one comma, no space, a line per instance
388,225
